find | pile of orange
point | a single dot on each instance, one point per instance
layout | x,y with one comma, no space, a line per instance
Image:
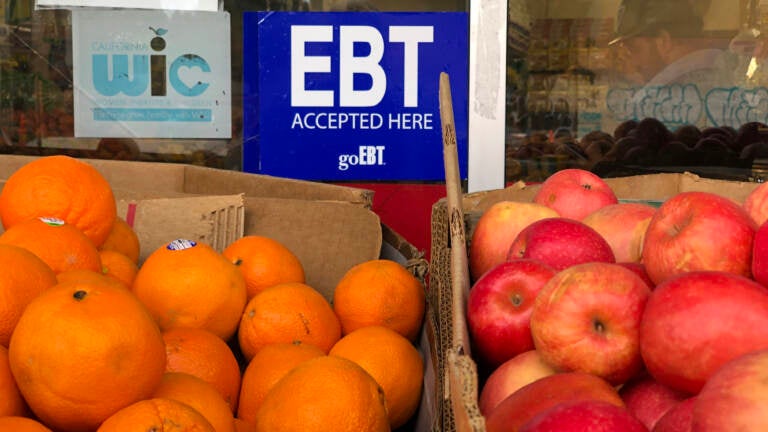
96,336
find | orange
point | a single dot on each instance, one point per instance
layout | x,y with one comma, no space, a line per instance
157,414
83,350
393,362
264,262
288,313
88,276
118,266
244,426
203,354
327,393
380,292
265,369
27,277
189,284
62,187
122,238
11,402
59,244
21,424
200,395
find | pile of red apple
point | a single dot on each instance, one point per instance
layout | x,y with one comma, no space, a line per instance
591,314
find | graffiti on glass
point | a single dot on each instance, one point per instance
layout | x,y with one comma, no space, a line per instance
679,104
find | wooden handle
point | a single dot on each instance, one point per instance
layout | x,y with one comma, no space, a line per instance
454,193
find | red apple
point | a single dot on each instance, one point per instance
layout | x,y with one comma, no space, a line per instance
760,255
698,231
545,393
623,226
587,319
584,415
511,375
560,243
734,397
495,230
696,322
574,193
639,269
678,418
499,309
756,204
648,399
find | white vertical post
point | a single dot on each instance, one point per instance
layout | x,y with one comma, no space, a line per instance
487,93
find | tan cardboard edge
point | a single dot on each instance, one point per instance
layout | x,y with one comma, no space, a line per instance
164,177
359,233
158,221
417,265
215,220
440,297
735,190
459,272
463,378
346,231
206,181
640,187
428,416
396,247
126,175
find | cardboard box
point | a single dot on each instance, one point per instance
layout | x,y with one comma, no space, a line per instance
160,178
458,408
214,219
329,227
169,199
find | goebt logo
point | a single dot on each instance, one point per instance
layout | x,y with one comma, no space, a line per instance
148,71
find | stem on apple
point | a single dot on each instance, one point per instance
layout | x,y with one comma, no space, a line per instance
598,326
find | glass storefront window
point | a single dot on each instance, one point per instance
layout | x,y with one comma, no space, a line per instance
614,86
36,83
625,87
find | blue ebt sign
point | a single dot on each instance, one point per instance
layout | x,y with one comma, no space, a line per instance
334,96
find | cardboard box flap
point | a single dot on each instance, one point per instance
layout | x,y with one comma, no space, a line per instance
142,176
126,175
735,190
462,379
162,177
202,180
646,187
161,216
215,220
329,237
428,417
397,248
139,194
518,191
649,187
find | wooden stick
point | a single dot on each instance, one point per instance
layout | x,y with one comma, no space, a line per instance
459,261
460,382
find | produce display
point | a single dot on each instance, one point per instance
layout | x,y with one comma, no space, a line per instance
94,339
642,146
612,315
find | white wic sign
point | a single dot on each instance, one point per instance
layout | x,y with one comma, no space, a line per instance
189,5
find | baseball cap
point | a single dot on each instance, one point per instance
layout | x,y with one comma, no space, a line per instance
636,17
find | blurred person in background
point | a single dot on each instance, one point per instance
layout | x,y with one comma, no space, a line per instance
663,42
354,6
